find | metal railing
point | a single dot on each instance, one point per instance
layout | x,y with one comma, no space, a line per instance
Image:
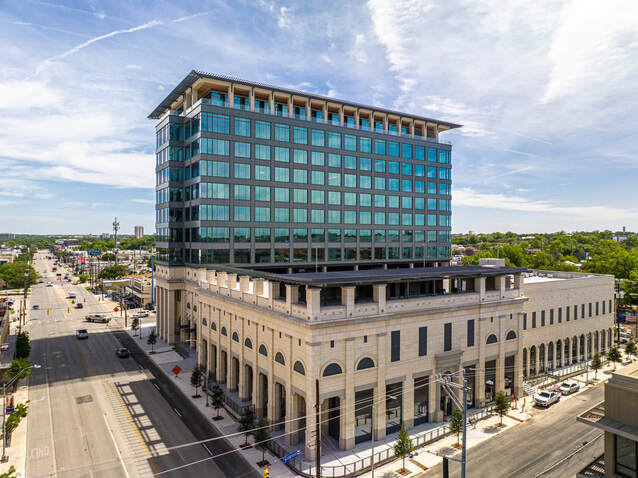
381,457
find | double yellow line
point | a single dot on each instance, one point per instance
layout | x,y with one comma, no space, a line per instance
123,406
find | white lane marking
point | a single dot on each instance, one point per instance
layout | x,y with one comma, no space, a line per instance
177,411
156,386
46,381
119,455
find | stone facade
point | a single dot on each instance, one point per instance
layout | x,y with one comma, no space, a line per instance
375,347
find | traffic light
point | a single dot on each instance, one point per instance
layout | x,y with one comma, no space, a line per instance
266,472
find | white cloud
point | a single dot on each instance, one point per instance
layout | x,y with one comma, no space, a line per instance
283,19
143,201
133,67
25,95
358,51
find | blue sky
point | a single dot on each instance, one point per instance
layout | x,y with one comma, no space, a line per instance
546,91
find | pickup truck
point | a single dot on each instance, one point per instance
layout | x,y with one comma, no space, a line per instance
545,398
98,318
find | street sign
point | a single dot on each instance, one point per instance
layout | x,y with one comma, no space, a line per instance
94,252
287,458
10,409
116,309
176,370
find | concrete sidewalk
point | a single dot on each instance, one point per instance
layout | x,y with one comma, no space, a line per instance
166,359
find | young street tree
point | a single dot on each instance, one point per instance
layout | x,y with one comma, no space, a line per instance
217,400
135,324
23,345
614,355
197,378
501,404
247,422
262,437
630,349
403,447
596,364
456,424
152,339
19,368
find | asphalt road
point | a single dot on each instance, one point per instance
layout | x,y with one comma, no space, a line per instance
537,447
93,414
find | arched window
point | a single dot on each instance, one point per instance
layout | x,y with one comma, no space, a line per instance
511,335
195,308
213,325
279,358
188,305
224,331
332,369
299,368
491,339
235,337
364,363
263,351
204,321
248,343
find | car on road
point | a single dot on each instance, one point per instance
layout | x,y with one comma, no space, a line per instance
140,315
82,334
40,281
49,284
79,305
567,388
98,318
36,307
72,295
545,398
123,352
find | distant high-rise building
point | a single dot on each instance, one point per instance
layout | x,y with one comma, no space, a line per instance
7,235
139,232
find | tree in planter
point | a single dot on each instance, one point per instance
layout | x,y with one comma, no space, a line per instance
596,364
614,355
246,423
135,324
456,424
262,437
403,447
19,368
217,400
23,345
152,339
501,404
630,349
197,378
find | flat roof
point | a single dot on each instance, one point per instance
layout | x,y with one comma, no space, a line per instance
195,75
372,276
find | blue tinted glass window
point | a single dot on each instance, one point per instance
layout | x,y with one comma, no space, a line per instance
350,199
300,156
262,193
317,158
419,187
334,197
365,145
365,164
379,183
445,173
282,132
406,151
350,162
262,173
300,135
317,138
419,220
419,203
282,214
262,214
262,152
300,176
317,216
379,166
379,218
365,182
419,170
282,195
334,179
349,217
317,177
393,218
317,197
334,140
419,153
262,129
432,222
242,171
393,184
334,160
300,196
406,185
282,175
365,200
242,213
349,142
393,149
242,127
242,150
406,202
393,167
242,192
393,201
431,172
365,217
350,180
431,188
432,155
379,147
299,215
282,154
406,169
445,188
379,200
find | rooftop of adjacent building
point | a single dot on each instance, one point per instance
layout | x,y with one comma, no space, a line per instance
195,78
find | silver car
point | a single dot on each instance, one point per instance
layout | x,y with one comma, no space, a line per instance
567,388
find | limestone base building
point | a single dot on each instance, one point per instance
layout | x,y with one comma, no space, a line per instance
376,339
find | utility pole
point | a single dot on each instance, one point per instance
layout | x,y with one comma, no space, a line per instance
447,385
116,227
318,428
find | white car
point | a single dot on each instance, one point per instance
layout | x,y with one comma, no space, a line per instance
567,388
545,398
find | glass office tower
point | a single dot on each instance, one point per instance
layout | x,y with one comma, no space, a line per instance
254,175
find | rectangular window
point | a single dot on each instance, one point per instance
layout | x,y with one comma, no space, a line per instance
432,155
423,341
282,214
242,171
334,198
334,179
317,216
318,197
262,173
349,142
282,154
542,318
470,333
560,315
524,321
262,152
242,150
242,192
262,214
317,158
365,145
395,346
406,151
300,215
334,140
317,138
533,320
590,309
582,311
241,213
282,175
551,316
379,147
300,176
300,156
393,149
300,196
419,153
262,129
282,195
317,177
300,135
447,337
282,132
575,312
626,456
334,160
242,127
567,311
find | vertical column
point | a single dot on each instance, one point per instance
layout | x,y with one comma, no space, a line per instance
347,299
170,336
379,391
480,366
347,429
517,386
567,359
311,421
408,403
292,412
433,404
499,385
272,402
271,103
251,99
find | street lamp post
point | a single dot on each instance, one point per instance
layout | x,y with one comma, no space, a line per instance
4,410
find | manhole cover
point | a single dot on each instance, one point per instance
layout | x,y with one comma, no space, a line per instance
83,399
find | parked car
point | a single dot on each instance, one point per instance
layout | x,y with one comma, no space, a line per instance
98,318
36,307
545,398
49,284
141,314
123,352
79,305
567,388
81,334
